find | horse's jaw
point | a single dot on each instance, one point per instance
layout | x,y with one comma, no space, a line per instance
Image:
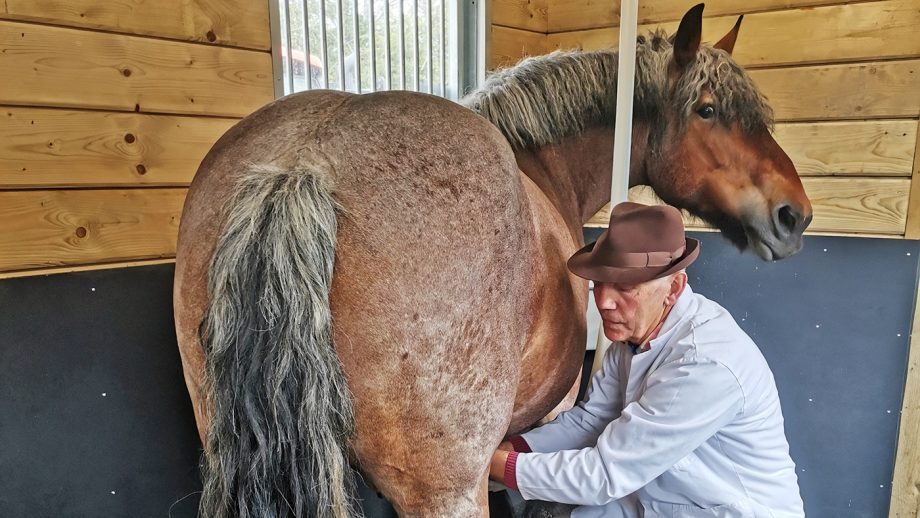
770,249
758,234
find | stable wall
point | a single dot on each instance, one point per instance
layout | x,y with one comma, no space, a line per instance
106,110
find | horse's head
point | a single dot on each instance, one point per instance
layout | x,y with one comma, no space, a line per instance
716,156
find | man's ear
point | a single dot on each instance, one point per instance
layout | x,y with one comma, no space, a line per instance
678,283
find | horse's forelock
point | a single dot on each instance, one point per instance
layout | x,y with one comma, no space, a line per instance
736,97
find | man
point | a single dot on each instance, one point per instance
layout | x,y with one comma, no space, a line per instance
683,419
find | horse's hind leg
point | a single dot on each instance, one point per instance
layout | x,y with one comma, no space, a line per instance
427,422
430,460
432,494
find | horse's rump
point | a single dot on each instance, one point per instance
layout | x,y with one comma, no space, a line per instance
430,293
431,284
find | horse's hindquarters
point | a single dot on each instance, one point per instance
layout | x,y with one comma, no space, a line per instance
429,297
434,284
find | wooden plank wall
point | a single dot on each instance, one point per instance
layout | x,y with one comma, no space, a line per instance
106,110
843,78
518,28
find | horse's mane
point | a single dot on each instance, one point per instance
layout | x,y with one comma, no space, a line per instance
544,98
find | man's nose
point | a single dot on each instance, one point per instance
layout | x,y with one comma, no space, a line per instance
607,304
605,300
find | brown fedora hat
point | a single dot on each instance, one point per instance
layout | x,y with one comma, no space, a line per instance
641,243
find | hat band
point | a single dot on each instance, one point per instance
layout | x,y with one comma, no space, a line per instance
646,259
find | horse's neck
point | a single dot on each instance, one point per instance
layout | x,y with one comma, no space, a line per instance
575,173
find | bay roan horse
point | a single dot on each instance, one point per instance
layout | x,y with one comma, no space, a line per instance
450,320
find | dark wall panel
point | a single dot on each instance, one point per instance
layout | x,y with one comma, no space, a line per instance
94,416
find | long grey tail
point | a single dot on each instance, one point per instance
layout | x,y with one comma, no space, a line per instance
280,411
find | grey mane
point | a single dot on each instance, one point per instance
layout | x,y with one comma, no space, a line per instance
545,98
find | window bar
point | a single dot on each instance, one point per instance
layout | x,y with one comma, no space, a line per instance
308,67
415,46
444,42
402,45
386,52
373,50
357,47
430,64
322,42
341,35
289,46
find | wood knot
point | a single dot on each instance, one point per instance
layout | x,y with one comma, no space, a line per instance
81,232
211,36
126,72
129,138
141,169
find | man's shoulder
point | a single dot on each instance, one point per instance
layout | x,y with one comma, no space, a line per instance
711,333
711,323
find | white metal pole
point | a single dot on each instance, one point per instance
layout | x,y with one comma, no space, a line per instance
626,80
622,129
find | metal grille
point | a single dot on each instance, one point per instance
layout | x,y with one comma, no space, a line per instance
369,45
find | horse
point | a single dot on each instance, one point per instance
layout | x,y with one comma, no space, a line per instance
379,280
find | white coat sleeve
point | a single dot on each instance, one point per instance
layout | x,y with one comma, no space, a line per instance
580,426
685,403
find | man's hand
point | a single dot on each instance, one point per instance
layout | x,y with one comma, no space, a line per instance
497,465
506,446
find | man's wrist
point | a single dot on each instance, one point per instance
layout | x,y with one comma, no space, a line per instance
510,476
519,444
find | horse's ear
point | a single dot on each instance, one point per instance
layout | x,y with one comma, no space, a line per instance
727,43
687,39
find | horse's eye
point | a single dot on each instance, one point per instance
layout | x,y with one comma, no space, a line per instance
706,112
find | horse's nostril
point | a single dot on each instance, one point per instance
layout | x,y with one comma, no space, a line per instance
787,219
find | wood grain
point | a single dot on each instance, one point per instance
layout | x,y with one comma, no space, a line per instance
913,207
511,45
850,148
45,229
520,14
54,66
240,23
852,91
905,487
85,268
42,147
572,15
831,34
875,206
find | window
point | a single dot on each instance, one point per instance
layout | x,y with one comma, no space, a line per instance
432,46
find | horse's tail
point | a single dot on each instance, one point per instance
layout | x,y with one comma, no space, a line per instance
280,410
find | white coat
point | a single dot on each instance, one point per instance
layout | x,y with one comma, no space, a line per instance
691,427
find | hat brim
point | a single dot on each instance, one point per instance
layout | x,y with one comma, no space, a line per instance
585,264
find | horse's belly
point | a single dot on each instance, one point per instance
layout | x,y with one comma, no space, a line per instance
555,347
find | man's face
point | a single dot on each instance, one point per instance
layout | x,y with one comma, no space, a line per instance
630,311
